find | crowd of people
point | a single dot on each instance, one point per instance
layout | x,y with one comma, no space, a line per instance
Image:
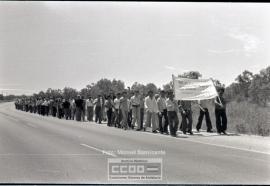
131,110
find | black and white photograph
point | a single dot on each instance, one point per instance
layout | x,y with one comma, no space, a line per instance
136,92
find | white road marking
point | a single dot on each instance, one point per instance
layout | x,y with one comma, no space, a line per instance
212,144
100,150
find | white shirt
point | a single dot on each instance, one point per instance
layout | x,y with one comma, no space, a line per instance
89,103
135,100
116,103
151,104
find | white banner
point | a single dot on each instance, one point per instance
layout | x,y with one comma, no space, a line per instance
193,89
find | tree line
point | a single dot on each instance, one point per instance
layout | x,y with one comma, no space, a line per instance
249,87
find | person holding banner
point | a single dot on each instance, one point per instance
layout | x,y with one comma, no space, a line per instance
220,112
186,113
204,112
172,110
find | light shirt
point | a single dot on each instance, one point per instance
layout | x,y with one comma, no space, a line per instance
171,105
116,103
151,104
135,100
89,103
124,104
161,104
45,103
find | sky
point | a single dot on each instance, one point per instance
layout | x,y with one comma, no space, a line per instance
57,44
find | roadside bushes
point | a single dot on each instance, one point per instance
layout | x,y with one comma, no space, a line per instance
243,117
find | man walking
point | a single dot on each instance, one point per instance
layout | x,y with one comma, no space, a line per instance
151,108
66,107
109,110
172,110
162,113
124,107
90,108
98,109
135,103
186,113
79,108
220,112
117,110
141,111
204,112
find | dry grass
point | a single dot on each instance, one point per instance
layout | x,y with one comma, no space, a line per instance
243,117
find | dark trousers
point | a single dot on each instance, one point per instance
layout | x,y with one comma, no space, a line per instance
142,117
207,120
60,113
98,114
26,108
187,121
39,109
30,109
117,117
54,111
42,110
78,114
163,127
109,116
130,118
90,113
221,120
46,108
67,113
173,122
35,109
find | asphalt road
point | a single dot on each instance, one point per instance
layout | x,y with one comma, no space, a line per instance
36,149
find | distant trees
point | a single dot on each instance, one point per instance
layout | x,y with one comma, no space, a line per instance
248,87
251,87
103,87
69,92
139,86
151,86
168,86
191,75
259,88
144,89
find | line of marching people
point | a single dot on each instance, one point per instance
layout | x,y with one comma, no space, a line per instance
131,110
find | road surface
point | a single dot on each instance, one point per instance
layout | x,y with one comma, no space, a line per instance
36,149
